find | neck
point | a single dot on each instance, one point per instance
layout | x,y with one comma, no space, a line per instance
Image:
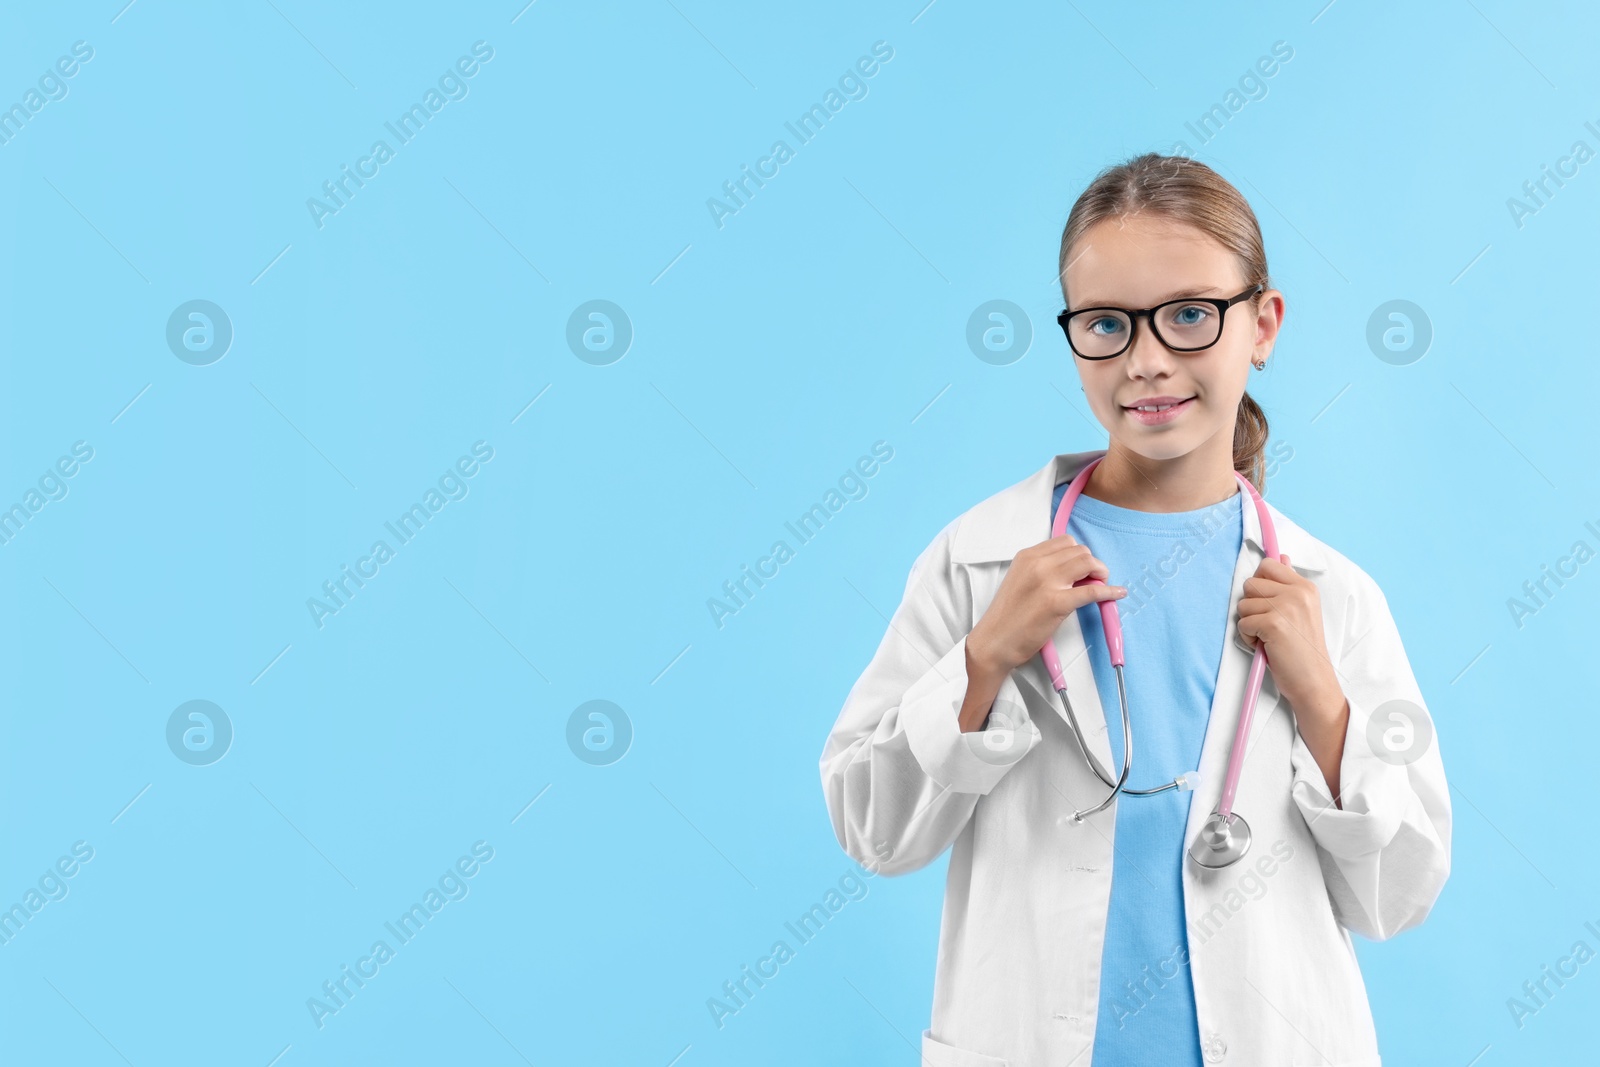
1184,483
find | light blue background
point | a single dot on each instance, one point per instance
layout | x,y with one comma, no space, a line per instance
768,355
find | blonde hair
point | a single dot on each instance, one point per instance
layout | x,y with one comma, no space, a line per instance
1184,190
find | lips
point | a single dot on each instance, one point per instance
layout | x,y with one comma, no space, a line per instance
1155,410
1154,402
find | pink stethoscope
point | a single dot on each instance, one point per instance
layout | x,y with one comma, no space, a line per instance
1225,837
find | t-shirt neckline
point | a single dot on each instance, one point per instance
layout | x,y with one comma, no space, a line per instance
1130,520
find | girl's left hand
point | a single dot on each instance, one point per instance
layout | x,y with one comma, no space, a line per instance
1282,609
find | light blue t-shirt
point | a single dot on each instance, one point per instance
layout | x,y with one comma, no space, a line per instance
1178,567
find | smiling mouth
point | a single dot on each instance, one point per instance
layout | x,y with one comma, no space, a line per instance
1153,408
1159,414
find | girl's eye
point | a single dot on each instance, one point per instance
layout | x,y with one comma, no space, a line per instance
1107,321
1190,315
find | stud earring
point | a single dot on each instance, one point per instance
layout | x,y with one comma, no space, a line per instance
1259,364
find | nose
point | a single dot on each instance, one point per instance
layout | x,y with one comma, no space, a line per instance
1147,357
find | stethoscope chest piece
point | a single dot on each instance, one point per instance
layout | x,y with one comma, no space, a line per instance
1223,840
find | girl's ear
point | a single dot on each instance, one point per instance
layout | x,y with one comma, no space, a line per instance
1269,319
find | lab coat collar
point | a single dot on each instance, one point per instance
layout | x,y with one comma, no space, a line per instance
1016,517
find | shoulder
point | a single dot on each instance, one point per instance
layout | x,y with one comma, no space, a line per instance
1315,552
1349,594
993,529
1005,522
939,550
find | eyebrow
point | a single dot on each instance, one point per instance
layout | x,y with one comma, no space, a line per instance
1178,294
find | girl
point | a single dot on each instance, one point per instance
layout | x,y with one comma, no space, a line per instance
1097,940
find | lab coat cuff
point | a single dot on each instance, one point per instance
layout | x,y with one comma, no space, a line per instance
1372,787
972,762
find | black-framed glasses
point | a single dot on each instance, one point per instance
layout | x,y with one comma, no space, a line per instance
1188,324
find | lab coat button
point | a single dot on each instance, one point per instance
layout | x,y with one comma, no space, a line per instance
1214,1048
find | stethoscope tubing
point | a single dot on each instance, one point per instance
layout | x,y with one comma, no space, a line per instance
1111,624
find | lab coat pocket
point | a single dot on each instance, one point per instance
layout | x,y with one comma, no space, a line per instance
938,1054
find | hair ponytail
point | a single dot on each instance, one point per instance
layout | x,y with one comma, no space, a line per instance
1250,442
1187,191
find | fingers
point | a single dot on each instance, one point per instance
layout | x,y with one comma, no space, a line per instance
1064,558
1078,561
1064,555
1253,624
1278,571
1260,586
1065,601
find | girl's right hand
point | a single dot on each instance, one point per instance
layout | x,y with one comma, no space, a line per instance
1036,594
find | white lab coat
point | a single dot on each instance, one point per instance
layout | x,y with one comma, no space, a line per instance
1017,980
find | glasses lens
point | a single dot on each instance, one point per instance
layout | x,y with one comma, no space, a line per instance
1097,334
1188,325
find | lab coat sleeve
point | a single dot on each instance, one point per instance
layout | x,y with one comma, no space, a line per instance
899,777
1385,851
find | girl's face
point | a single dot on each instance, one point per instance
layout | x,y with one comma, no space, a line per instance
1139,261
